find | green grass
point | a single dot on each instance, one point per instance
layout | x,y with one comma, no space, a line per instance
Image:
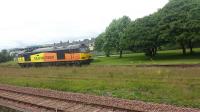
175,86
9,64
163,57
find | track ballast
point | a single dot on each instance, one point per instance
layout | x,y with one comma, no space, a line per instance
37,100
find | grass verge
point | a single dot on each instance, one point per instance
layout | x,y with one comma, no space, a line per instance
177,86
163,57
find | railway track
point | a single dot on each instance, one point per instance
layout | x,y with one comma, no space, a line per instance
42,100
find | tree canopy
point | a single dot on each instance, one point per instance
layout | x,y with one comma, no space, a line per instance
113,39
177,24
4,56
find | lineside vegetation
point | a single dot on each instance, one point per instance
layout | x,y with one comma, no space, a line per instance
177,86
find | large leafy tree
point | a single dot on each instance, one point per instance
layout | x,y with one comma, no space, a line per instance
143,34
180,22
99,42
115,34
104,43
114,39
4,56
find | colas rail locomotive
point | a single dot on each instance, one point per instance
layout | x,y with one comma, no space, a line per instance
70,55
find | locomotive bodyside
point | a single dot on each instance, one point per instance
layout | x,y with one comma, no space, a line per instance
44,57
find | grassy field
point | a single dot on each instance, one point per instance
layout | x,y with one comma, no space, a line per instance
176,86
163,57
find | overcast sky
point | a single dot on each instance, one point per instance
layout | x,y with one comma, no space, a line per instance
33,22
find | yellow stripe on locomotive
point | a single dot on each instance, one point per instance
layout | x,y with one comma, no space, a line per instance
85,56
21,59
37,57
44,57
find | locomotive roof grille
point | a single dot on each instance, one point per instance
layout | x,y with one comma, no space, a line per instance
44,49
49,49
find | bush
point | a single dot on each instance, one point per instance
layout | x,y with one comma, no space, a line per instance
4,56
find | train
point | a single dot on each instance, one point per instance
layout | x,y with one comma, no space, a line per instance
78,54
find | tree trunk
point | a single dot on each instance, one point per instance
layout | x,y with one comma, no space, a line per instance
107,54
191,47
151,52
183,49
154,51
191,50
120,53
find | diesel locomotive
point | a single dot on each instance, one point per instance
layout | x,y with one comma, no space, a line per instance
54,56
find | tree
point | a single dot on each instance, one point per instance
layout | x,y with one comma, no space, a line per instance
115,34
143,34
99,42
122,39
109,43
4,56
177,24
183,22
193,26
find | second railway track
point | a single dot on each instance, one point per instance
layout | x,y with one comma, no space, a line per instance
42,100
27,102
